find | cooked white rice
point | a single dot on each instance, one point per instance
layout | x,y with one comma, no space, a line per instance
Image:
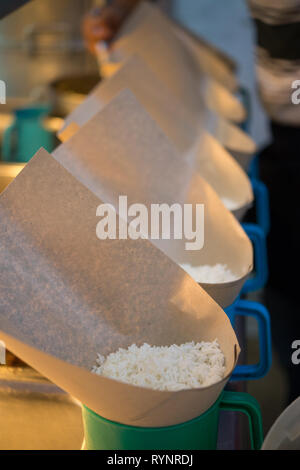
210,274
172,368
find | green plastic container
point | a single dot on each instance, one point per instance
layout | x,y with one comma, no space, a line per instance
196,434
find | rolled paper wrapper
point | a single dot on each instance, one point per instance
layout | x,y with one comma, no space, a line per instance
285,432
177,57
209,59
150,34
200,149
67,296
122,151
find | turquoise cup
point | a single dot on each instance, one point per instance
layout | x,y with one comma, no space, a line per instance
200,433
26,135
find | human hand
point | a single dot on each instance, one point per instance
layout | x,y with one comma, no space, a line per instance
101,24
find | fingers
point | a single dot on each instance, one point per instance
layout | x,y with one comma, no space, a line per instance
97,34
100,25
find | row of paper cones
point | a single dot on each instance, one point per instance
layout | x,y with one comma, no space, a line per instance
154,132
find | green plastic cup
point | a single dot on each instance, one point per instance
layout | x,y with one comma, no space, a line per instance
196,434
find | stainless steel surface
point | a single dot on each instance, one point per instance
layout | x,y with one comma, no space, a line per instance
41,42
35,414
68,92
8,171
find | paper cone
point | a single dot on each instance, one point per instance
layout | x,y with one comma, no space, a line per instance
151,34
240,145
8,171
151,92
67,296
207,156
222,101
122,151
223,173
210,60
146,33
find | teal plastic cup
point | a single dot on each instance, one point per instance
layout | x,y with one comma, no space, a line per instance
26,135
200,433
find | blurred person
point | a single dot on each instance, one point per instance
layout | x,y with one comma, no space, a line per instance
102,23
278,66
